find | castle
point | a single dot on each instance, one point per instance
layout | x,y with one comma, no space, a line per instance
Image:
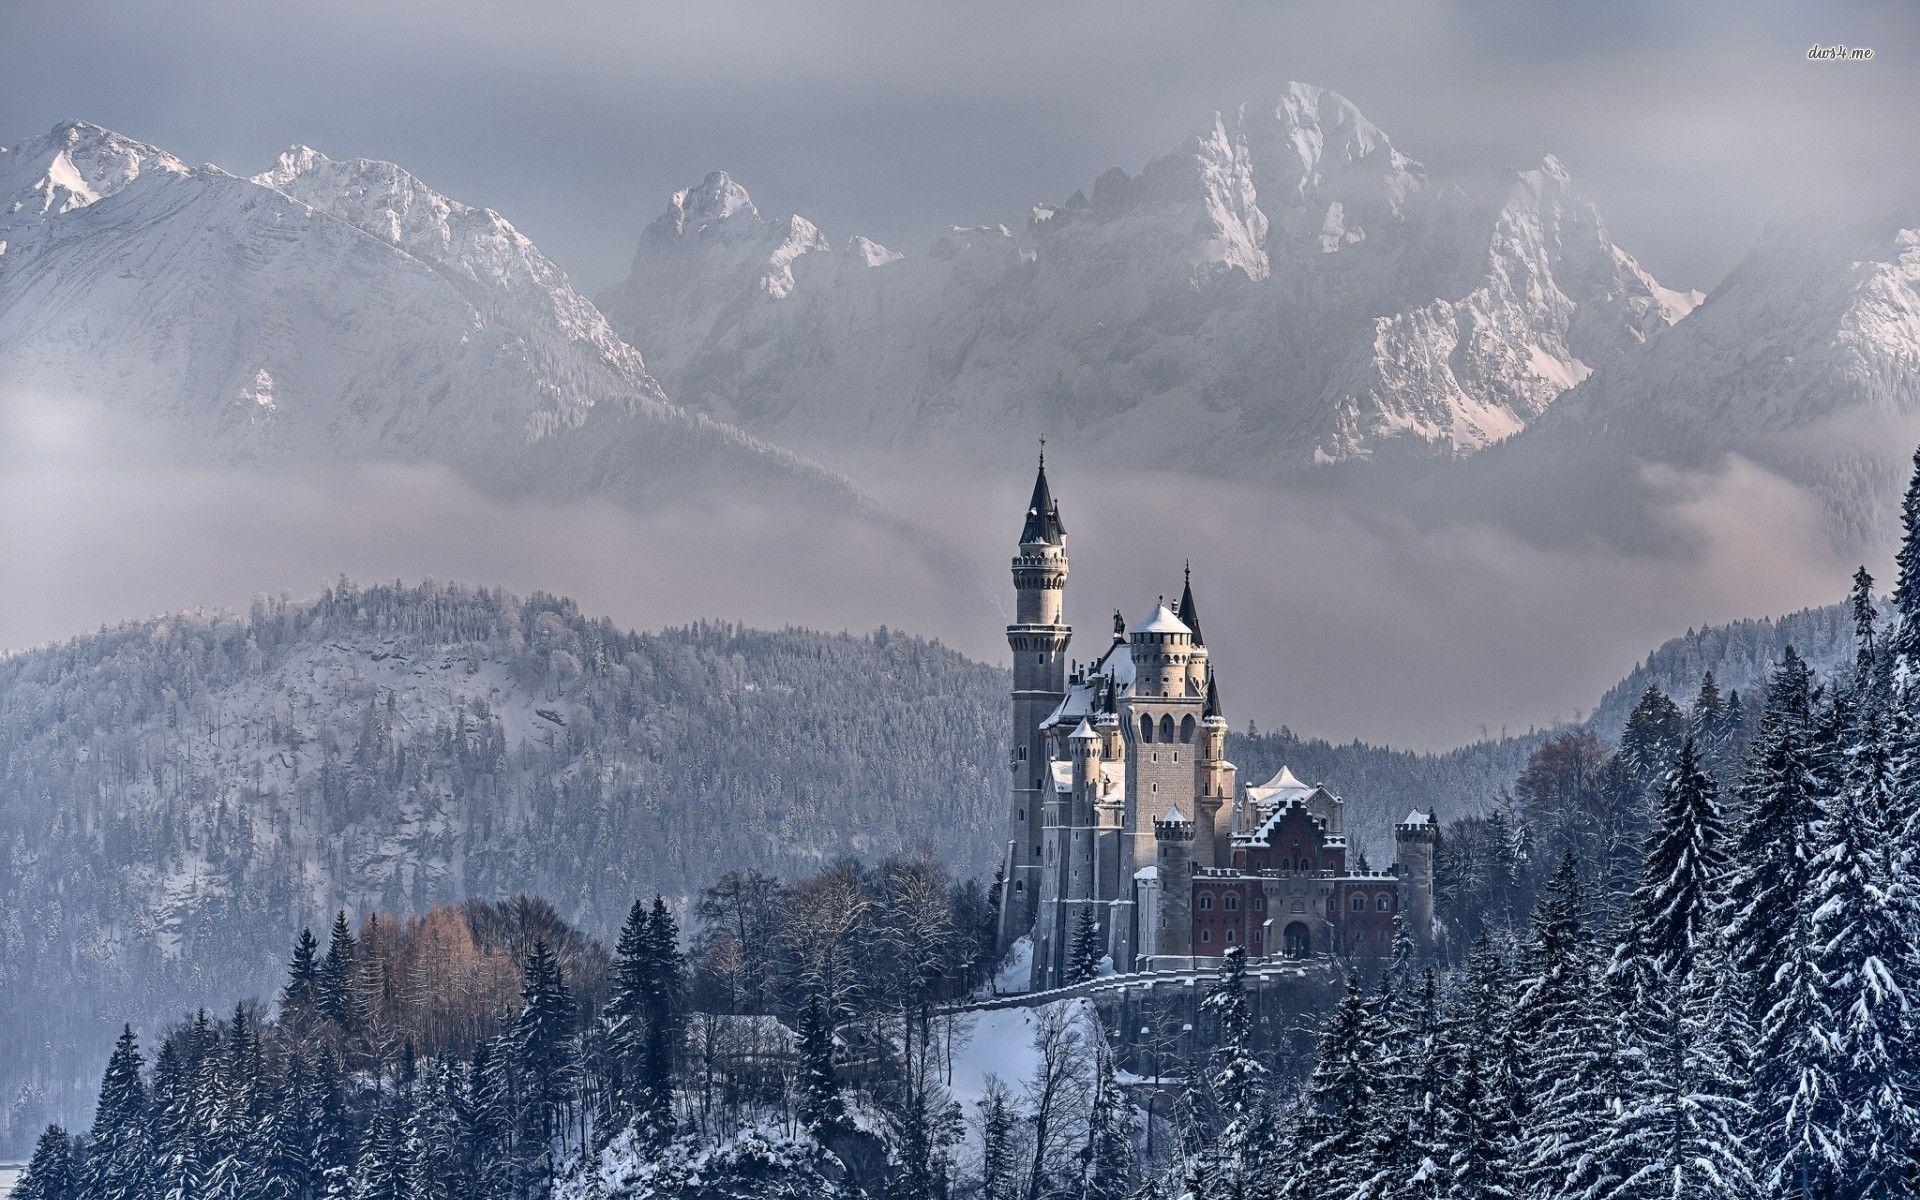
1128,825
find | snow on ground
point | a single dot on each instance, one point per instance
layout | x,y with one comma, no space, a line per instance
1015,974
1000,1044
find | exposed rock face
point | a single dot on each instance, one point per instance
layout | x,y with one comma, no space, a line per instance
1282,288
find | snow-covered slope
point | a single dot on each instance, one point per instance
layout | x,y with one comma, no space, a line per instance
1805,359
1285,286
329,311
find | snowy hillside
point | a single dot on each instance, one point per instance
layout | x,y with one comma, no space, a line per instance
330,311
1285,286
182,793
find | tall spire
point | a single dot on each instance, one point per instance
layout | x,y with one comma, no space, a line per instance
1188,614
1213,701
1043,511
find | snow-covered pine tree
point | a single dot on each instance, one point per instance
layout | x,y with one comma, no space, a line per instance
379,1171
1343,1096
1671,910
1801,1141
178,1123
664,1007
1864,956
49,1174
543,1054
1682,1119
1906,584
120,1146
1651,737
1240,1163
1778,793
1573,1073
1106,1158
998,1161
1085,951
821,1110
1478,1164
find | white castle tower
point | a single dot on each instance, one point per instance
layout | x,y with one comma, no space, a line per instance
1038,638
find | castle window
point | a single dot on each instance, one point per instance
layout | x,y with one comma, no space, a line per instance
1146,728
1259,903
1156,789
1233,934
1206,901
1384,902
1230,901
1286,864
1023,754
1166,727
1306,864
1176,756
1186,729
1206,936
1154,757
1359,904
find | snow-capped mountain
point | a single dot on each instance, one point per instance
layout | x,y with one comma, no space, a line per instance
1283,287
1805,359
330,311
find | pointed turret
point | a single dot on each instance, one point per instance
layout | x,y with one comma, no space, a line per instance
1212,711
1043,512
1189,615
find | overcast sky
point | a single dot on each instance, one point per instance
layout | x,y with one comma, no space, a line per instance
1689,123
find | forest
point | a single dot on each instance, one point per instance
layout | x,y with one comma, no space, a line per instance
1678,966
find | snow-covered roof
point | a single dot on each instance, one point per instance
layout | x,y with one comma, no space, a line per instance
1161,620
1148,872
1172,816
1284,785
1062,775
1083,732
1416,817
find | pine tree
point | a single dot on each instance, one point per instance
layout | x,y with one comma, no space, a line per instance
1343,1099
1477,1166
1106,1156
1085,951
336,974
49,1174
1906,586
119,1157
1672,909
1573,1070
543,1055
1801,1139
1238,1168
1772,851
997,1157
645,1015
300,998
1652,736
1864,955
820,1106
379,1172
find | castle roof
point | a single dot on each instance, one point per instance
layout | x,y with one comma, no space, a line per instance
1161,620
1083,732
1284,786
1213,695
1189,614
1043,513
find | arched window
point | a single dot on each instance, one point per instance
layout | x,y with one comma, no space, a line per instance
1384,902
1233,935
1359,903
1186,729
1259,903
1306,864
1206,901
1146,728
1230,902
1286,864
1166,727
1206,935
